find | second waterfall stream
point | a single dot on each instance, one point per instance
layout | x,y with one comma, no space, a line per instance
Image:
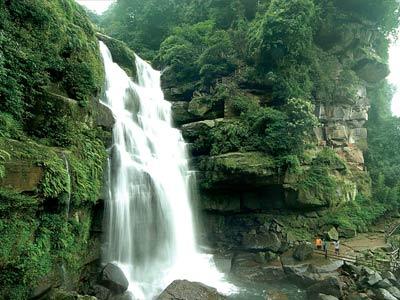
151,234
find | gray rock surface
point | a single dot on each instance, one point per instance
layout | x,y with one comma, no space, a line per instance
186,290
114,279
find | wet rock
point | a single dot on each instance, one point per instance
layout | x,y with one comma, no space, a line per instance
303,251
255,267
180,113
223,264
113,278
382,294
263,241
333,234
101,292
186,290
330,286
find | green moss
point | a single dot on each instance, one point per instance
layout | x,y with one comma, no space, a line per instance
121,54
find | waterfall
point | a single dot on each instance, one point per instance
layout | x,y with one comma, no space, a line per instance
151,234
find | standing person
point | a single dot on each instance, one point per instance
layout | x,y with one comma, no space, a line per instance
325,247
337,246
318,243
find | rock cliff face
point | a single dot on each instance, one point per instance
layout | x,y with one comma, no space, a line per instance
53,139
242,192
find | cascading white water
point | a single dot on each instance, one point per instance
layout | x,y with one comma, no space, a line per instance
151,234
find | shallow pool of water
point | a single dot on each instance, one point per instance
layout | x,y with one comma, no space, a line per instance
259,291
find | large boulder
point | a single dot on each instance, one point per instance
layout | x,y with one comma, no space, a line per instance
303,251
186,290
332,234
262,241
330,286
256,267
113,278
180,113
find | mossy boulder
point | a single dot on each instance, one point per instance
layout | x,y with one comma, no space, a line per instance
236,170
121,54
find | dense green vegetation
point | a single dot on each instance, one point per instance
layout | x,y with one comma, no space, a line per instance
295,54
48,52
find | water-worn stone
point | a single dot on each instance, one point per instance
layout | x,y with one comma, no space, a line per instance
330,286
303,251
186,290
113,278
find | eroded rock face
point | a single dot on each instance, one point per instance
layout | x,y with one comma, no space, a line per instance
186,290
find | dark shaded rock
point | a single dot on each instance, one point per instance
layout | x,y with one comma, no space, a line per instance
101,292
255,267
352,269
372,70
186,290
262,241
385,283
303,251
330,286
183,92
193,130
220,202
103,115
180,113
114,279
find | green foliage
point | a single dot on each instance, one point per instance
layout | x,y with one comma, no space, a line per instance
284,31
320,180
359,215
35,54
